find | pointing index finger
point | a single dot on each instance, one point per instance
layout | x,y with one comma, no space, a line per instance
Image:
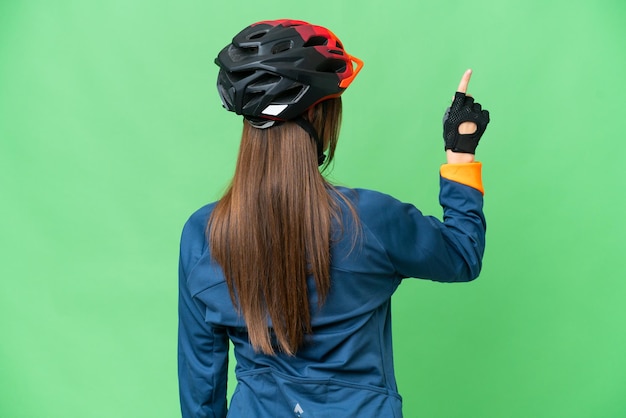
464,81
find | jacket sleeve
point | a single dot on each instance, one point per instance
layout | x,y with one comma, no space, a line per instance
425,247
202,352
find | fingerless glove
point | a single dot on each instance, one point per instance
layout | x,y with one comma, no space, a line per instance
463,109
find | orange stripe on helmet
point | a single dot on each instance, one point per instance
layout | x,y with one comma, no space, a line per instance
359,64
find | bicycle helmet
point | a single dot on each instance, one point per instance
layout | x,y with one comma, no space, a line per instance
275,70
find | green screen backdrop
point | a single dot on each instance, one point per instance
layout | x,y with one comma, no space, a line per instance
112,134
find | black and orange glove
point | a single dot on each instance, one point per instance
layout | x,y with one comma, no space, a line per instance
464,109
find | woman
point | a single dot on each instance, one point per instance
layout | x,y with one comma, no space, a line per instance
296,273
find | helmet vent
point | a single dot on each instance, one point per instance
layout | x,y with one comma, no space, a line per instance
257,35
336,51
332,66
252,98
226,101
239,53
240,75
291,95
282,47
315,41
265,82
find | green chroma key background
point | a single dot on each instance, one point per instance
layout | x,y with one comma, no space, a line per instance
112,134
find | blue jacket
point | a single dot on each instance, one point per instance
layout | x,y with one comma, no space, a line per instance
345,368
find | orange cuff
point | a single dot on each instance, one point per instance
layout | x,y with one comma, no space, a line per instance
469,174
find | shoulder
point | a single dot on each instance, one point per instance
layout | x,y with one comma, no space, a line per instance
388,219
365,198
372,203
380,213
193,242
199,218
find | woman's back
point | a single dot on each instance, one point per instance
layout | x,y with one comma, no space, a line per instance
345,366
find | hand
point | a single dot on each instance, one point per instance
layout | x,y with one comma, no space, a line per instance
465,121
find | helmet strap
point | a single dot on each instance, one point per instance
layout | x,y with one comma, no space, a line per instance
308,127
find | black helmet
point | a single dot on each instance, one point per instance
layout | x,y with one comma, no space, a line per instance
275,70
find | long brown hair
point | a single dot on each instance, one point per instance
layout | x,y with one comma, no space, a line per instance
272,228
